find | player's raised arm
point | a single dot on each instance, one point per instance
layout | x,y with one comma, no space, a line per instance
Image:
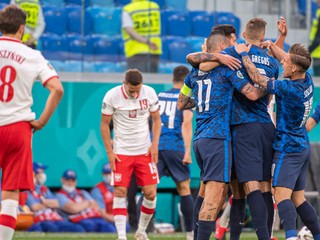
283,31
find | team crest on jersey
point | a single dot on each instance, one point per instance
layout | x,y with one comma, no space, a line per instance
239,74
117,177
132,113
104,105
50,66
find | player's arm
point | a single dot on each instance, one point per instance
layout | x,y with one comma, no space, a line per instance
195,59
283,31
156,130
314,119
56,92
186,130
251,69
253,93
185,101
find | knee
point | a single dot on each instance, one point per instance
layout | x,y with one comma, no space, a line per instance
120,192
150,195
183,188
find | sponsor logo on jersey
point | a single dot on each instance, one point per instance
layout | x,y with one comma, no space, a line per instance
239,74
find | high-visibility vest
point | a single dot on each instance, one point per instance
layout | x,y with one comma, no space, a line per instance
147,22
32,8
107,197
315,24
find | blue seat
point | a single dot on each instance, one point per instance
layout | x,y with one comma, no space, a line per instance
5,1
104,66
75,22
2,5
302,7
77,2
228,18
176,4
75,44
195,43
106,21
178,25
194,13
165,14
165,46
120,3
102,3
201,25
57,65
161,3
105,48
54,3
178,50
73,66
56,21
54,47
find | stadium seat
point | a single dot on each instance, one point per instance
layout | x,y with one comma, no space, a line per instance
77,2
54,3
57,65
165,14
5,1
201,25
165,46
73,66
120,3
178,50
106,21
176,4
161,3
75,22
120,42
178,25
105,48
54,47
104,66
75,44
227,18
2,5
194,13
302,6
102,3
195,43
56,21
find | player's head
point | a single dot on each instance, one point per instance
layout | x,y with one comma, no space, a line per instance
12,20
255,30
229,31
106,173
296,61
179,74
39,175
69,180
133,82
217,41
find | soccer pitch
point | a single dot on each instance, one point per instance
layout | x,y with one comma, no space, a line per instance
95,236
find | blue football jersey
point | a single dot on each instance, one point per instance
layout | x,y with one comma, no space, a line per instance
294,102
316,114
213,92
243,109
171,118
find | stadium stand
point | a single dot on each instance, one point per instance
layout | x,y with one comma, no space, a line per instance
56,20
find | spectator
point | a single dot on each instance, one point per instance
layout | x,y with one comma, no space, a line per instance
35,21
79,207
141,29
103,194
314,47
44,204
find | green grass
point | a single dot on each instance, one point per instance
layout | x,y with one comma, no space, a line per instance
95,236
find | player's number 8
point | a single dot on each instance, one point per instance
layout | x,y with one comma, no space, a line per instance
7,76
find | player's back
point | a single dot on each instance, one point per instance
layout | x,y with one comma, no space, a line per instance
171,119
212,92
294,101
20,66
243,109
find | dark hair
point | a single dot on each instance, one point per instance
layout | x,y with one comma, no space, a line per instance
179,73
300,56
216,37
228,29
11,18
133,76
255,28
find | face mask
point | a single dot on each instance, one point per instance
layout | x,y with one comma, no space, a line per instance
68,189
107,179
42,179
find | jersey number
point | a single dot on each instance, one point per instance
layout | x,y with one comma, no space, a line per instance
200,93
168,108
7,77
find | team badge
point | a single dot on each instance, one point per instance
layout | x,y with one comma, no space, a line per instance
104,105
132,113
50,66
239,74
117,177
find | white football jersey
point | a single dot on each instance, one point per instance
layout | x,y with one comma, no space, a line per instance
130,119
20,66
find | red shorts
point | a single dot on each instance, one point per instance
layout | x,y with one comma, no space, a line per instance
16,156
146,171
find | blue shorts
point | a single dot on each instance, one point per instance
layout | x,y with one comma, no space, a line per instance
170,164
214,158
290,169
252,151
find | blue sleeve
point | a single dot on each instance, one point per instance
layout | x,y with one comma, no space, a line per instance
237,79
86,195
97,196
31,200
49,194
316,114
279,88
231,51
62,199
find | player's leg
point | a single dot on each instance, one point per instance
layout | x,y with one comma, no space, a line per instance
268,200
15,160
147,178
237,212
196,209
222,223
121,180
186,205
